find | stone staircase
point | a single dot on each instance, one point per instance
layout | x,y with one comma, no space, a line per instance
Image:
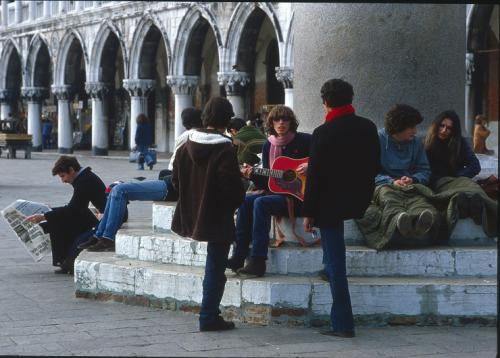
439,285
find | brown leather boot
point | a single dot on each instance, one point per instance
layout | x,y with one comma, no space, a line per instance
256,266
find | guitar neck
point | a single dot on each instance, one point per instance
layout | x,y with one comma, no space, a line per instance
273,173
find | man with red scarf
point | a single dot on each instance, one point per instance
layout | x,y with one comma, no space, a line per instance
343,162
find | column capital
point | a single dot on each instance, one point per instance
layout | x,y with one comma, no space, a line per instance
62,92
96,90
34,94
285,76
469,67
233,81
138,88
6,95
183,84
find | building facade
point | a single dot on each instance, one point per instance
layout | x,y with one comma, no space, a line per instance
93,66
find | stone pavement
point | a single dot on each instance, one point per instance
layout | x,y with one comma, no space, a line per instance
39,314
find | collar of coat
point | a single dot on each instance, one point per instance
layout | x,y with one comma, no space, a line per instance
208,136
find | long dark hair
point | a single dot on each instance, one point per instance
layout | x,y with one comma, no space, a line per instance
453,143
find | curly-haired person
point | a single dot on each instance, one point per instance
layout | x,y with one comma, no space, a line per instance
401,213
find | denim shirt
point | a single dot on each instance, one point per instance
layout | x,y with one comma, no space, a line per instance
402,159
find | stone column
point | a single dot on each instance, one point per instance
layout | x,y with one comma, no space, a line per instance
46,9
183,88
285,76
139,91
469,97
235,83
5,13
97,91
18,11
64,122
387,54
63,7
5,99
32,10
79,5
35,95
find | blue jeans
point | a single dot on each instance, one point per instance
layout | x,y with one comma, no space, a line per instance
253,222
80,239
116,204
144,150
332,241
214,281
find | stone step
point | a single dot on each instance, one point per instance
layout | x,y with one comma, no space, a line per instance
287,299
466,232
142,244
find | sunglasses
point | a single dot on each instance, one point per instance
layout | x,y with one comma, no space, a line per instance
449,128
276,120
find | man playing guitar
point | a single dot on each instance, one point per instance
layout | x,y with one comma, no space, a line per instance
253,221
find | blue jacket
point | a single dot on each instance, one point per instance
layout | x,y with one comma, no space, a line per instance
402,159
46,128
144,134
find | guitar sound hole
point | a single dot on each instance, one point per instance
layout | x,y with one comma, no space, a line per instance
289,175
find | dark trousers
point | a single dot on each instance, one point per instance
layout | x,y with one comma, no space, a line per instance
332,241
253,223
214,281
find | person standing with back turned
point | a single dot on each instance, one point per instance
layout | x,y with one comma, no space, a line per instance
343,162
207,176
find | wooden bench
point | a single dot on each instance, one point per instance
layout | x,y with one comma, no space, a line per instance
11,142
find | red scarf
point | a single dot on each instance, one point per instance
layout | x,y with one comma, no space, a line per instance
339,112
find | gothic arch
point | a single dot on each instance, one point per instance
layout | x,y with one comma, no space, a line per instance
8,48
288,56
62,54
142,30
33,51
239,17
192,16
107,27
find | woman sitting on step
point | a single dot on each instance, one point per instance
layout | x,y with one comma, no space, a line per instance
453,165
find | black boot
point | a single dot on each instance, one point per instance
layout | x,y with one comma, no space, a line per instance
256,266
235,263
67,267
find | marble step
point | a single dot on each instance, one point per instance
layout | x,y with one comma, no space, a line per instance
139,243
287,299
466,232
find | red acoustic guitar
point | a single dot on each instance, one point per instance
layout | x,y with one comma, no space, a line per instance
283,178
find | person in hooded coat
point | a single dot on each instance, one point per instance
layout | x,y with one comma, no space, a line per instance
207,177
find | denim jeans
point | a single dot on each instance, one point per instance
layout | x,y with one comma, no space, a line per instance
144,150
253,222
332,241
80,239
116,204
214,281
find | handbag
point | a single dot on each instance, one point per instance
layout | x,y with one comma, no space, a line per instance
133,156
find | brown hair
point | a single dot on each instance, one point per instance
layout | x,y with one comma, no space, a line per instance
142,118
63,164
217,113
480,118
281,111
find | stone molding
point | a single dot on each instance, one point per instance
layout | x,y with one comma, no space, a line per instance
233,81
6,95
138,88
183,84
34,94
96,90
285,76
62,92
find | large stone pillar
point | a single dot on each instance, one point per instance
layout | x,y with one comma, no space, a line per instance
5,99
79,5
390,53
97,91
32,10
139,91
5,13
18,11
468,126
64,122
285,76
35,95
183,88
235,82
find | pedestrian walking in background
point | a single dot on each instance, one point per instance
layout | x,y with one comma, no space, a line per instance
143,140
46,133
343,162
